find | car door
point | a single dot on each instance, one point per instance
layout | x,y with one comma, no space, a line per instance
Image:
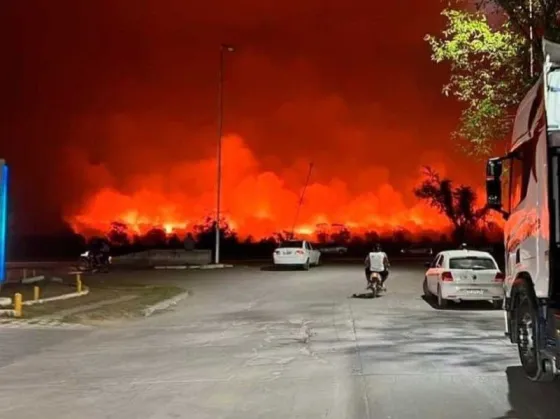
313,254
307,249
434,272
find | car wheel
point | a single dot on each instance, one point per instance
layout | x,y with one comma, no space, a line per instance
441,302
498,304
427,292
306,265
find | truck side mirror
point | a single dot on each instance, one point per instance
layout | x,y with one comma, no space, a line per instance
494,184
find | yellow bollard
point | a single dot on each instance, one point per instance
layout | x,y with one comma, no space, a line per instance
17,304
36,293
78,283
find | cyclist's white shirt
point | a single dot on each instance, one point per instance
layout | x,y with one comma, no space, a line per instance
376,261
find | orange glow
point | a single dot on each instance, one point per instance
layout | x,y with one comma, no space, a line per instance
255,202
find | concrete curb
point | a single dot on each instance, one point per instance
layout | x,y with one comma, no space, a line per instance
57,298
165,304
5,301
33,279
7,313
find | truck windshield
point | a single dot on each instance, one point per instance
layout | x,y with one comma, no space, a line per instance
472,262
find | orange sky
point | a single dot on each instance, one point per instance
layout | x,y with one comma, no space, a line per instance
113,104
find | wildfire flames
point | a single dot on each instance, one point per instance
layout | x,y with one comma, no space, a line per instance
254,202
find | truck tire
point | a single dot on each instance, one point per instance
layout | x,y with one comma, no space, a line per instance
498,304
527,340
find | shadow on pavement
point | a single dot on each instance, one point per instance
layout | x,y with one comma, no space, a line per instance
272,268
530,400
462,306
365,295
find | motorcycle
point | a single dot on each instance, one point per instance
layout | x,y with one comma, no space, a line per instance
88,262
375,284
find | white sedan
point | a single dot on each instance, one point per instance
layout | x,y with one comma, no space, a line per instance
461,275
296,253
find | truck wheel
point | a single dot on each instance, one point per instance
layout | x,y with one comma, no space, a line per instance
441,302
498,304
527,341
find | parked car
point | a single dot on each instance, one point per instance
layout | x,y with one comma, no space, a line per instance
296,253
464,275
417,251
339,250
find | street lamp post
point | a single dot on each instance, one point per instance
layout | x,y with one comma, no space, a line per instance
531,53
223,50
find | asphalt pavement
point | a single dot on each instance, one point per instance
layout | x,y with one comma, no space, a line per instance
252,343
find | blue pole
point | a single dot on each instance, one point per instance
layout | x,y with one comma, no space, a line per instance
3,218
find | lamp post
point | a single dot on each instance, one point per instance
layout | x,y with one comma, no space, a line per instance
223,50
531,53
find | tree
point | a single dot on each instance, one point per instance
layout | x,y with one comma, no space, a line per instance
156,237
456,203
174,241
540,15
488,75
118,234
341,237
205,233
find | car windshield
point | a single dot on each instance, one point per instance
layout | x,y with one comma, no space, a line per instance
472,262
292,243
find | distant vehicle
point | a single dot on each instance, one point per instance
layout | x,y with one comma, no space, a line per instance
340,250
461,275
296,253
418,251
88,262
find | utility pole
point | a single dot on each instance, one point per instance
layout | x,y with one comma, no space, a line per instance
223,50
301,198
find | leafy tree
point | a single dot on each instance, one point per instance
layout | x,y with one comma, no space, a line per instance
205,233
488,75
341,236
456,203
118,234
174,241
541,15
156,237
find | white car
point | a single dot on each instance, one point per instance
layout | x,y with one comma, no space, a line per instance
334,249
464,275
296,253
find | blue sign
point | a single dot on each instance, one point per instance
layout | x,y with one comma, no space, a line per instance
3,217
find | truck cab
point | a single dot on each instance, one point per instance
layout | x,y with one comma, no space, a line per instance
524,186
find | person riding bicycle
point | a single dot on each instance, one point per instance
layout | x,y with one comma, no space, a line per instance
377,261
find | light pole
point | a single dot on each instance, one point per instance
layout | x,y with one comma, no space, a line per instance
223,50
531,53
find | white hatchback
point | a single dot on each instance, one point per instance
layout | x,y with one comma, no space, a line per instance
464,275
296,253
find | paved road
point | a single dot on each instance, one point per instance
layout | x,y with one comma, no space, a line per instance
261,344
